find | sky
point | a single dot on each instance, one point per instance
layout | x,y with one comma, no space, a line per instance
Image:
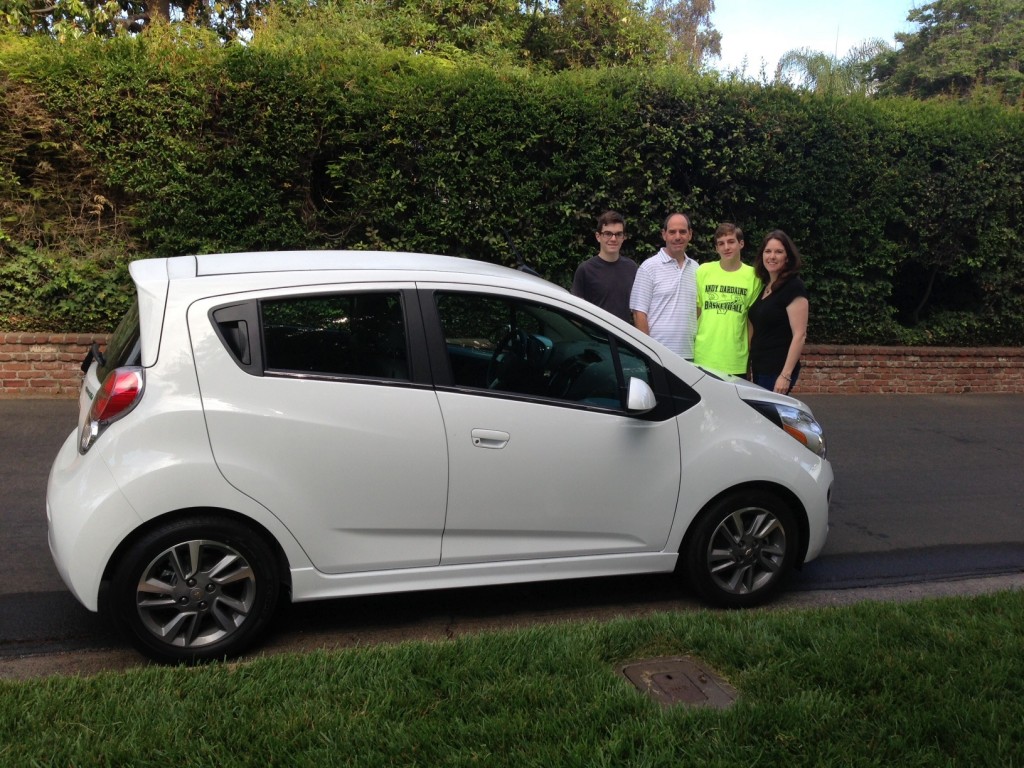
765,29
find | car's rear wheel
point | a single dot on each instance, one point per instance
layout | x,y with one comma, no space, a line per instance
740,549
195,590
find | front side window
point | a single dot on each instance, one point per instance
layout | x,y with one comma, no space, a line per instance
356,334
527,348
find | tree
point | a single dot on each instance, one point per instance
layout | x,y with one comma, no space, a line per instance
824,73
692,39
75,18
963,49
555,34
586,33
447,28
573,34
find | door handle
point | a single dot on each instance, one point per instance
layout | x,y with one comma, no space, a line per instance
489,438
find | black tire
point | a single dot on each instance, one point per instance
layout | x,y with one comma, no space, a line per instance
740,549
195,590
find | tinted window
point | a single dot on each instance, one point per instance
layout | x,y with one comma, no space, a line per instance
533,349
357,334
123,347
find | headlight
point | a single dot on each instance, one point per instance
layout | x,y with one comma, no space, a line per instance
803,427
796,423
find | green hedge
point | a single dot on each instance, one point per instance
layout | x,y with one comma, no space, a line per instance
907,213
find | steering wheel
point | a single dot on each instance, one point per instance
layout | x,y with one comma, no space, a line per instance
564,375
568,373
508,356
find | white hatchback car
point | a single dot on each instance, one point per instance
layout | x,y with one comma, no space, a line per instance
320,424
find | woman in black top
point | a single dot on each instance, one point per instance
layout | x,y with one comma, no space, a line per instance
779,316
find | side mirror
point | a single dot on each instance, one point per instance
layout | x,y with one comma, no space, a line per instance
641,397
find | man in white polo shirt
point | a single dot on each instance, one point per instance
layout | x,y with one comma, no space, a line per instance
664,296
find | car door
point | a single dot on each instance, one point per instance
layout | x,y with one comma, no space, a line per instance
326,417
544,459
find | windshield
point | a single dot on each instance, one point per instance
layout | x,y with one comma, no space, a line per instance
123,347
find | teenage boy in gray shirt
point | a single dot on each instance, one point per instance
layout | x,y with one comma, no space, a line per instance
607,279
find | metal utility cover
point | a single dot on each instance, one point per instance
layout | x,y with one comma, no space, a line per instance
680,681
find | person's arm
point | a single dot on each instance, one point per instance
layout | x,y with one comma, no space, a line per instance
750,346
578,283
640,300
797,310
640,321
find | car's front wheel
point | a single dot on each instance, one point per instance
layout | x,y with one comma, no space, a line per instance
195,590
740,549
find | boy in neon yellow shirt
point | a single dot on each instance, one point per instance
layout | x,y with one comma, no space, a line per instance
726,289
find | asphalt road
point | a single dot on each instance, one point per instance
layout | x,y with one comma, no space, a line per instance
929,491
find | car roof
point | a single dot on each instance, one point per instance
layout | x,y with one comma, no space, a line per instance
220,264
153,276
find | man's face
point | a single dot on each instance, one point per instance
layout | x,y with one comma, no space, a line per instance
728,247
611,237
676,236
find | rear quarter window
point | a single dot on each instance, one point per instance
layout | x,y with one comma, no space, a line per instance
124,347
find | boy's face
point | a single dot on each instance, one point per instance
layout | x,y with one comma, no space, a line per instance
728,247
611,238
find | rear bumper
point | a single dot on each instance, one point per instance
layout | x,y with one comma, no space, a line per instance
86,515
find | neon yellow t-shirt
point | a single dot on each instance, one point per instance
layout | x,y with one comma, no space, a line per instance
724,299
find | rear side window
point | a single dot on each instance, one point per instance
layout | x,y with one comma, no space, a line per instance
124,347
357,334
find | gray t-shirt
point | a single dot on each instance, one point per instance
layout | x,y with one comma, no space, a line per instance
606,284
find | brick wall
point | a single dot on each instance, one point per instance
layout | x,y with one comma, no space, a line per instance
47,365
43,364
911,370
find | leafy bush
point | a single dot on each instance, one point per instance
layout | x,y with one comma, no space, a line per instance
907,213
61,293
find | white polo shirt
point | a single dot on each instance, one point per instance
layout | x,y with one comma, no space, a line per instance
667,293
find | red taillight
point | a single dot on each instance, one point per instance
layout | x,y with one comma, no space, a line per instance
120,392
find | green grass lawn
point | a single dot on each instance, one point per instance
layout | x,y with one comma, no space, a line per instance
931,683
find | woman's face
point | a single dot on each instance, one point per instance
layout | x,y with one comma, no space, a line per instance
774,257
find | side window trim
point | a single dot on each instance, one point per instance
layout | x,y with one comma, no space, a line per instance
433,336
420,364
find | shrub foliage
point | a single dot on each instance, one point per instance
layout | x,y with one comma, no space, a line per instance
907,213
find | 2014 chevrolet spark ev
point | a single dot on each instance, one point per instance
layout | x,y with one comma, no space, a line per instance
307,425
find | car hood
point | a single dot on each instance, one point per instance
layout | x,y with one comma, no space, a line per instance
748,390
